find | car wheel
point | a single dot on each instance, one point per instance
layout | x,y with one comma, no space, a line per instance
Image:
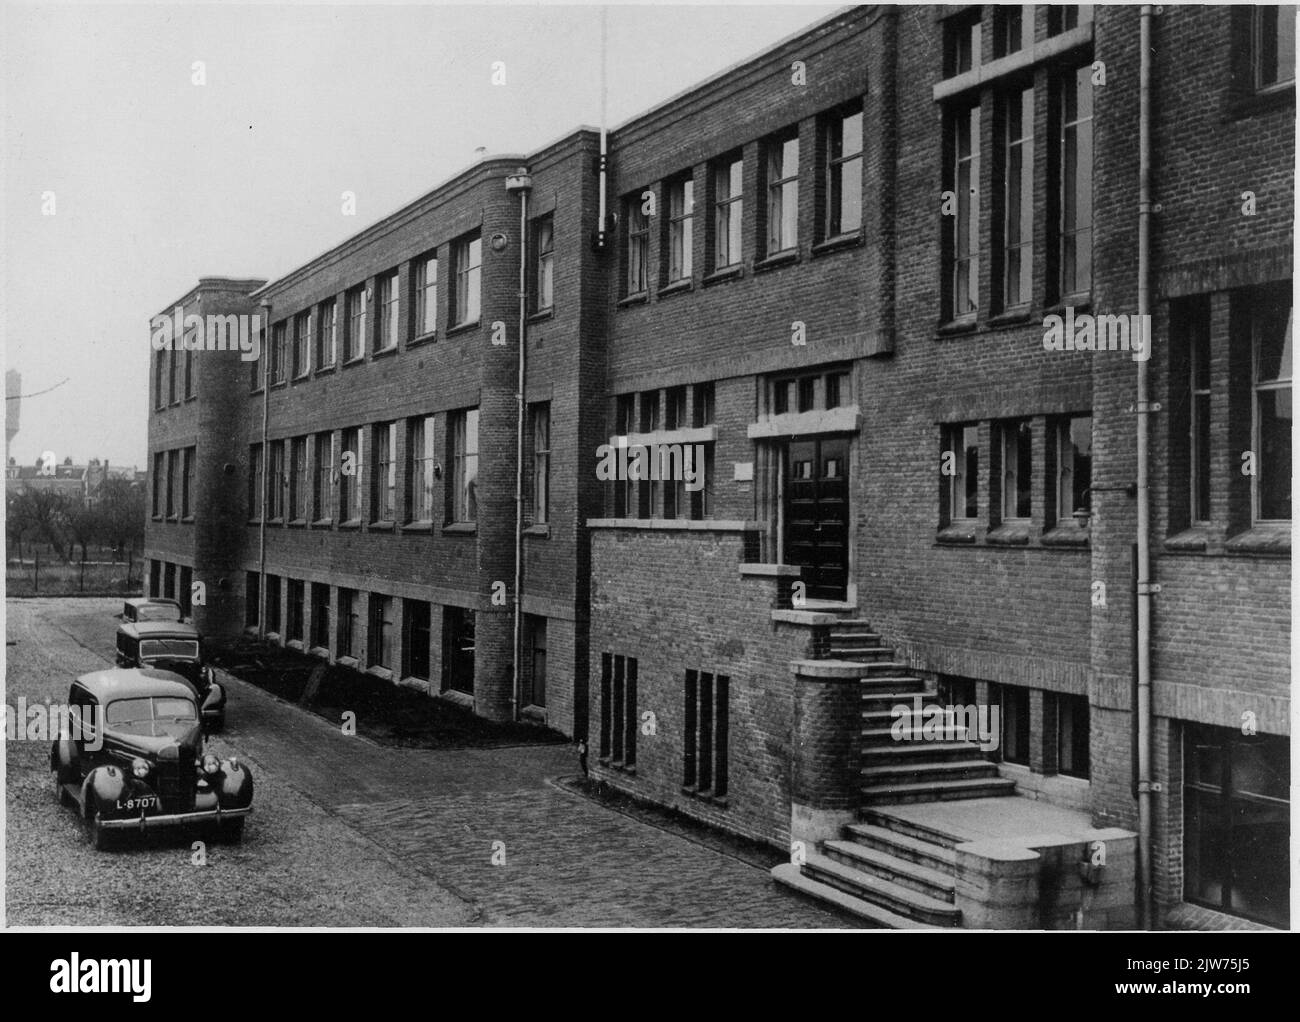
61,792
231,832
101,838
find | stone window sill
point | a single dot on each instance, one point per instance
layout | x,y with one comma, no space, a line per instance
537,714
418,527
1260,102
352,524
155,518
297,523
325,370
460,529
374,670
320,651
1011,317
348,661
542,314
384,352
462,328
1193,540
540,529
1011,534
957,327
322,523
294,644
428,338
839,243
1066,535
457,698
706,796
788,257
640,298
724,273
675,288
348,362
383,526
1269,540
957,534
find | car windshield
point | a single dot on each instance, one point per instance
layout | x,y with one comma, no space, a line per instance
129,714
157,612
153,649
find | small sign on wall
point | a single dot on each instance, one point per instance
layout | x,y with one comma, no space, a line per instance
744,471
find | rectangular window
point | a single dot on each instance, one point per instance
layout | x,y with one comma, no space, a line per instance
782,193
173,481
159,394
349,476
173,357
1063,17
707,712
535,650
383,494
1013,28
416,624
463,496
273,604
169,580
421,458
1198,343
1071,734
297,596
458,650
1017,470
389,306
728,206
467,265
349,624
839,390
625,502
544,262
190,456
322,494
425,283
649,411
961,43
356,309
962,471
681,230
1270,320
189,373
541,488
298,478
1272,46
328,337
1073,467
381,631
1075,193
157,483
638,247
185,591
702,497
302,344
962,229
618,709
279,482
252,598
279,352
255,482
675,408
844,173
1018,197
320,615
703,410
1015,724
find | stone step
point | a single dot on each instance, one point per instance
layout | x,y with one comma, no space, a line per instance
937,884
881,752
909,683
926,770
891,896
843,638
873,654
878,732
851,624
937,791
791,876
880,818
875,697
902,846
887,668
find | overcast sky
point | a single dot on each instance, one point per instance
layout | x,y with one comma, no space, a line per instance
158,181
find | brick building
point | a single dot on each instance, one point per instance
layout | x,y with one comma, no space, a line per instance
828,282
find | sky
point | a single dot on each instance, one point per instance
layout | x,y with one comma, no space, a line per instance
158,180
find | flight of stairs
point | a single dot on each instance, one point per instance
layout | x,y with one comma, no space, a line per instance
886,871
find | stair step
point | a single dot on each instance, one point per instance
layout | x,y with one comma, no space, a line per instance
851,624
927,770
874,653
904,846
894,897
890,668
789,875
877,695
938,791
909,684
937,884
881,751
869,639
882,819
880,732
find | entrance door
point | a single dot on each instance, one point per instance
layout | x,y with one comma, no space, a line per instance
816,514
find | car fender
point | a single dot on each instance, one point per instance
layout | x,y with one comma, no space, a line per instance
102,789
235,787
63,757
215,698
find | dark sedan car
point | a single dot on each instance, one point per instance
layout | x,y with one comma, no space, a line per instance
151,608
131,757
177,647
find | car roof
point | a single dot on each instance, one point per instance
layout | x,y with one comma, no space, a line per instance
137,601
159,629
134,682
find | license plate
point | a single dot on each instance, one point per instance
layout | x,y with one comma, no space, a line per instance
143,802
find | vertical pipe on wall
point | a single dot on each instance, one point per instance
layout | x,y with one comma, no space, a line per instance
520,182
266,471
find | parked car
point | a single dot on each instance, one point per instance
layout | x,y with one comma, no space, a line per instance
177,647
131,757
151,608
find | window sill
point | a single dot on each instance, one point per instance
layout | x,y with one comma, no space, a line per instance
348,661
324,371
275,521
957,327
462,328
839,243
1012,317
428,338
542,314
540,529
353,524
302,376
1195,539
384,525
1081,302
251,521
457,698
349,362
537,714
376,671
1009,535
320,651
297,523
383,352
252,393
957,534
155,518
187,519
280,385
705,796
1260,102
1272,539
173,518
640,298
272,636
619,765
460,529
323,523
1066,534
294,644
724,273
417,527
677,287
191,397
786,257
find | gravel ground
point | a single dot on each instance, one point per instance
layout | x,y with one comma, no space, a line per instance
299,865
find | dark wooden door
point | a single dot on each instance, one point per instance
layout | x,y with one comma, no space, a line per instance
817,514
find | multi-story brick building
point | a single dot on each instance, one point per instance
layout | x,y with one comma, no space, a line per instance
829,278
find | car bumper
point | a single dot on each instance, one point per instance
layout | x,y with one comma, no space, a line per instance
173,819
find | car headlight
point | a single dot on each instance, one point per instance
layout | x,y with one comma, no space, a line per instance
140,767
211,765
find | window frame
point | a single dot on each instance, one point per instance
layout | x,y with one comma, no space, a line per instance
837,171
782,192
681,228
467,279
728,211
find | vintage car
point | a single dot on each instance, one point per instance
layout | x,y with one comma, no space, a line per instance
151,608
130,756
176,647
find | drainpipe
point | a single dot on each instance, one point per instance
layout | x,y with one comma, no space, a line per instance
1144,410
520,182
266,471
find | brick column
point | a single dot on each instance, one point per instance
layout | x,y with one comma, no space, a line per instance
824,778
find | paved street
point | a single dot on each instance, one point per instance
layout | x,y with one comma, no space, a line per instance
349,833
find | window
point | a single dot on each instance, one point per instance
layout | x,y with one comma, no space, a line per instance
1073,467
1015,724
172,396
1013,28
1075,183
259,367
279,352
625,490
541,488
255,482
806,393
1071,734
467,262
463,495
252,598
535,645
302,344
327,340
618,715
381,631
190,456
189,373
273,604
702,496
169,580
681,220
1017,470
1272,46
297,596
544,262
1017,197
703,411
624,414
416,618
675,408
277,482
322,494
1063,17
356,309
782,193
349,476
704,760
1197,326
844,173
838,390
383,495
425,283
649,411
159,394
728,205
638,246
157,482
185,590
1270,320
1236,810
809,392
962,228
961,43
961,466
298,478
458,650
349,624
173,481
389,301
320,615
420,455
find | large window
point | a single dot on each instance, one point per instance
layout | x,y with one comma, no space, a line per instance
843,172
1072,734
1236,805
1075,184
1270,319
356,308
190,381
420,465
320,615
637,279
350,476
1196,323
279,352
1073,467
1272,46
463,496
618,709
389,306
302,344
962,227
273,604
254,483
298,478
425,283
1013,28
681,229
728,205
173,481
535,650
157,482
467,264
416,619
961,471
322,495
252,597
540,416
1015,724
782,193
328,334
544,262
961,43
297,599
707,713
381,631
349,624
1017,196
278,482
383,495
190,457
1017,470
458,650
